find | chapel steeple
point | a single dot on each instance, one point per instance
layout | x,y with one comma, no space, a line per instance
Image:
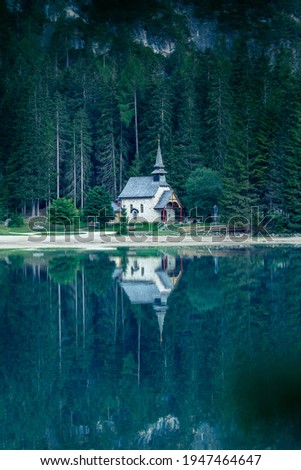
159,171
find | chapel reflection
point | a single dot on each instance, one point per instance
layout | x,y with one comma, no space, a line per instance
150,280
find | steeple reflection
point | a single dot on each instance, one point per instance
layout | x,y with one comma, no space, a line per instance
150,280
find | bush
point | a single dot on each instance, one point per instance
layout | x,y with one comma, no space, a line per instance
122,227
62,212
98,205
16,220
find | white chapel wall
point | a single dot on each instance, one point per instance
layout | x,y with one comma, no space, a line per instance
149,213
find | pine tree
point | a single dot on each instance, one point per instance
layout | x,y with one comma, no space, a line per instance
63,140
260,165
285,102
292,169
156,122
106,152
30,163
79,171
130,90
186,123
238,192
218,113
275,124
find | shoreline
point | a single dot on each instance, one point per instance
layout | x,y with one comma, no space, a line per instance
106,242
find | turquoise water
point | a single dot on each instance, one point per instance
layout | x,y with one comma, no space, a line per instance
151,350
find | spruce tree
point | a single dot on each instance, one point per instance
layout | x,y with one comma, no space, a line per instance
218,113
186,122
106,152
238,191
63,140
156,122
292,169
131,87
78,169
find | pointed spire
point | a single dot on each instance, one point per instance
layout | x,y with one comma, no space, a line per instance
159,166
159,161
161,317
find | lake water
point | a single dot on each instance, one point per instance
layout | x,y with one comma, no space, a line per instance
151,350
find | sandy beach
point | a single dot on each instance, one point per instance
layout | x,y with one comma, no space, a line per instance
96,241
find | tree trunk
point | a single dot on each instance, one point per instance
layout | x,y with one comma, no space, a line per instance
57,155
76,310
84,309
121,160
136,124
114,168
122,317
74,171
139,351
60,326
81,171
115,314
56,68
67,54
33,208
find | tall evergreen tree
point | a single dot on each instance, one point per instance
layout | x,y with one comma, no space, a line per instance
292,169
131,88
63,139
218,113
238,192
79,171
186,125
106,152
157,121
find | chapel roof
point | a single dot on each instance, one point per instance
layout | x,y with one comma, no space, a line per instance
141,292
163,200
141,187
146,186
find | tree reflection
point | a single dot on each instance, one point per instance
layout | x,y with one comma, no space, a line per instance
87,362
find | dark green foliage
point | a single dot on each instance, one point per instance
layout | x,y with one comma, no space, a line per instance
3,200
122,228
16,220
228,363
204,190
63,269
85,98
98,205
62,212
219,110
3,212
99,274
187,123
106,149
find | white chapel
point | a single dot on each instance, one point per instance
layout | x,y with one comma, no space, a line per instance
150,198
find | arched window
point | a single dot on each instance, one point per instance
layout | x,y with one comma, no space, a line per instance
141,208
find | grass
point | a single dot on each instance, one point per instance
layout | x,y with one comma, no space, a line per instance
14,230
54,230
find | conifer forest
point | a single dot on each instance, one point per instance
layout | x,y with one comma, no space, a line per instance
87,86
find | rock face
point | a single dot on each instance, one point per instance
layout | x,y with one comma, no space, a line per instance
161,31
206,437
163,47
164,427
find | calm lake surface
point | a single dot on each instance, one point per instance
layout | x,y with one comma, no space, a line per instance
151,350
